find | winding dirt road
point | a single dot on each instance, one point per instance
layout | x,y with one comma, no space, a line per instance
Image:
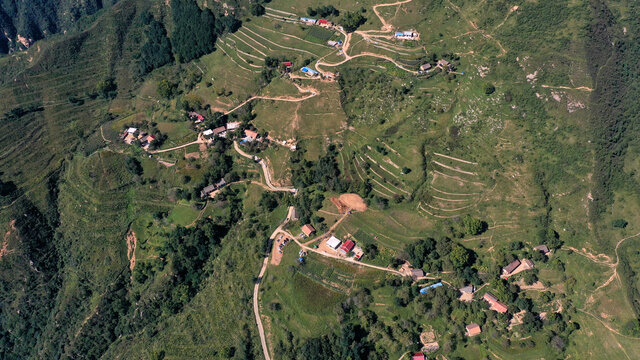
265,170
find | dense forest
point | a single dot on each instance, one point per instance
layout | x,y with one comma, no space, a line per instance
24,22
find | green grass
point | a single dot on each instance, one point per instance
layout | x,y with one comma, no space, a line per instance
183,214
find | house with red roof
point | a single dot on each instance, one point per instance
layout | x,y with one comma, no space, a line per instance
347,247
308,229
418,356
473,330
495,303
250,135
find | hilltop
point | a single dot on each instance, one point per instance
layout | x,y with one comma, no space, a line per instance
302,180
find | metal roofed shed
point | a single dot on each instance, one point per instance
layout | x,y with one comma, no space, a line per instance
334,242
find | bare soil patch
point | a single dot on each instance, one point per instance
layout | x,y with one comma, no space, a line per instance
346,202
5,241
132,243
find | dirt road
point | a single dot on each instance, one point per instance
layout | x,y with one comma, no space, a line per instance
278,98
349,260
256,288
265,170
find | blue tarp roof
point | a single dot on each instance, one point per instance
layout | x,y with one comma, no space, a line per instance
306,69
424,290
307,19
399,34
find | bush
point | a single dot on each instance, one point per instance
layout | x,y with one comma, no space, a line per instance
619,223
134,166
489,88
107,88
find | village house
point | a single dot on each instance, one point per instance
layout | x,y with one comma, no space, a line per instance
129,136
146,141
468,289
494,303
347,247
309,71
406,35
334,242
473,330
416,274
325,24
542,248
211,188
527,264
233,125
207,190
330,76
507,270
425,67
418,356
308,21
220,131
207,132
250,135
294,215
443,64
195,116
307,229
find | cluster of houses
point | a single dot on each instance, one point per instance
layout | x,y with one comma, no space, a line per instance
132,135
343,248
321,22
406,35
312,73
222,130
334,43
442,64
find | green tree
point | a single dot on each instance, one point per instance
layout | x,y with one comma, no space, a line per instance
351,21
472,226
166,89
257,9
459,257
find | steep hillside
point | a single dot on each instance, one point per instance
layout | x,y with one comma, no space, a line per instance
304,180
24,22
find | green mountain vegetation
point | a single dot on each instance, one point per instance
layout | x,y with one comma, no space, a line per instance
25,22
160,163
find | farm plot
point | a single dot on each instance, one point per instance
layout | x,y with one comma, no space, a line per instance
454,188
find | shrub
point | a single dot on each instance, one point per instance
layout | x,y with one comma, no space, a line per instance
619,223
489,88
